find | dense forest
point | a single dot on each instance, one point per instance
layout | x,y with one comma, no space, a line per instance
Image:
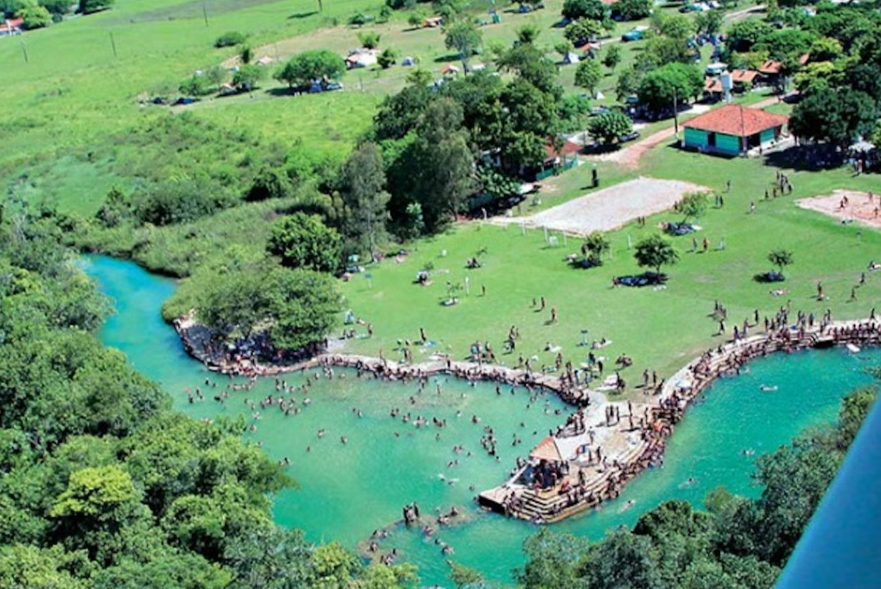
101,483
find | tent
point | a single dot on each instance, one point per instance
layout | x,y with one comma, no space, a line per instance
547,450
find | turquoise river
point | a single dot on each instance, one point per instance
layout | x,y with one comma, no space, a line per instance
348,490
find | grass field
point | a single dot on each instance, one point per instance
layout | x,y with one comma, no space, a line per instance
69,104
660,329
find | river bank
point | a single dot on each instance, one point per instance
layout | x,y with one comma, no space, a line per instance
603,444
715,444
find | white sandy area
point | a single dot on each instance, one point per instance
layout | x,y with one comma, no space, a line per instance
609,208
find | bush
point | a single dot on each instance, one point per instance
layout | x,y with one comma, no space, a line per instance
35,17
230,39
387,58
171,202
92,6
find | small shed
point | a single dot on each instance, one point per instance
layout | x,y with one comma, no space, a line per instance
733,130
571,58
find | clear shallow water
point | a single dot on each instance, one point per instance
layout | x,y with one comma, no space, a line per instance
348,490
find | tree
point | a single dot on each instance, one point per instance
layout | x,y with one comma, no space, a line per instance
304,241
596,245
412,224
693,205
632,9
418,77
246,54
309,66
416,19
553,560
836,116
92,6
364,199
57,8
623,559
34,17
465,38
564,48
628,84
612,57
826,49
464,577
583,31
530,64
216,75
673,26
654,251
296,307
744,34
781,259
434,165
247,77
588,75
709,22
786,43
195,86
608,127
369,39
577,9
387,58
661,50
528,33
672,82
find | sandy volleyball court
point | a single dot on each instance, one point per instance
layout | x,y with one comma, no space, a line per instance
848,205
609,208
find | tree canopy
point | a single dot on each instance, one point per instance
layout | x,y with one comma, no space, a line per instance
654,251
588,75
576,9
608,127
304,241
674,81
312,65
836,116
632,9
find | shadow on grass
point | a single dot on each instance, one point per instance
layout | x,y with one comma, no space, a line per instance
282,91
299,15
454,57
769,277
805,158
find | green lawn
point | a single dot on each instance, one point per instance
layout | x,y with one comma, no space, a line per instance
660,329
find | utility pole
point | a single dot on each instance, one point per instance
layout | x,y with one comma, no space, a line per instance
205,13
24,51
113,44
675,114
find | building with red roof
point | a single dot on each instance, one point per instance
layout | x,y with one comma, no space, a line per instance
733,129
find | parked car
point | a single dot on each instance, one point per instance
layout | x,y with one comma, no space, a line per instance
598,110
628,137
632,35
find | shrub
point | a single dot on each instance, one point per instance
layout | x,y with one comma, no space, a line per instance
230,39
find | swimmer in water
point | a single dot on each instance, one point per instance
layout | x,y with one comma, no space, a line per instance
768,388
630,503
689,482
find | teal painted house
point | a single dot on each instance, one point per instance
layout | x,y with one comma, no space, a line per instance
733,130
